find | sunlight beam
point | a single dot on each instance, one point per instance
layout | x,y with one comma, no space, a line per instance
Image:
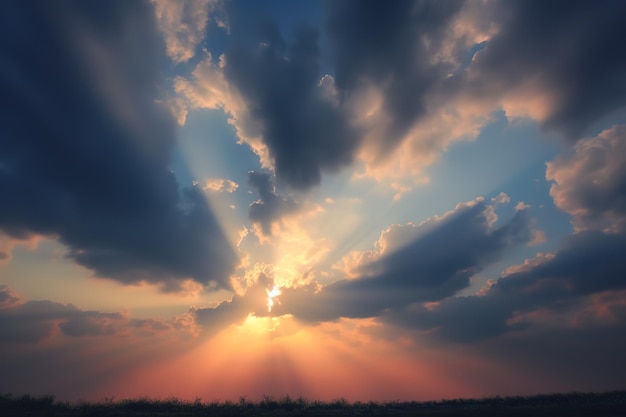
271,294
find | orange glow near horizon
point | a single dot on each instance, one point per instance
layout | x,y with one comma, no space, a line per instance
279,356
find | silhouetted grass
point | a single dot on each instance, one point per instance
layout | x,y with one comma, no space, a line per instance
608,404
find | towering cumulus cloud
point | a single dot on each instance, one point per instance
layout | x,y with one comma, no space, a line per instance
85,145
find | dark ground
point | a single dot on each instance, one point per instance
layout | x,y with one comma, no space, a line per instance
609,404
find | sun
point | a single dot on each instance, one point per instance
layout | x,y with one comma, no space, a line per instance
274,292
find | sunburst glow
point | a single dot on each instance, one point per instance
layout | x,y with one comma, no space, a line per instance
271,294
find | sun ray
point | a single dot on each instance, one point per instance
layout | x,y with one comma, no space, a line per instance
271,294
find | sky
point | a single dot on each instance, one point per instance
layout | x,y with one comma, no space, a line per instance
359,199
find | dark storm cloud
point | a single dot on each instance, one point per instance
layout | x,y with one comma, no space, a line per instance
270,207
390,45
589,263
573,50
304,131
433,266
85,145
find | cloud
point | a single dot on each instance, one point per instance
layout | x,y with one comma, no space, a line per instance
270,207
391,47
183,24
32,321
429,263
8,297
278,100
588,263
407,81
419,76
501,198
304,131
235,310
49,347
560,69
557,287
207,88
539,237
392,63
86,146
7,244
220,185
589,181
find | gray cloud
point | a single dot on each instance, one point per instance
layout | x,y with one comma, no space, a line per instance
8,297
588,263
391,45
48,347
31,321
568,50
34,321
589,184
304,131
270,207
91,323
235,310
85,145
589,181
556,62
437,263
419,60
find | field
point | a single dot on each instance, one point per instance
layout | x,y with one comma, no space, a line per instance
609,404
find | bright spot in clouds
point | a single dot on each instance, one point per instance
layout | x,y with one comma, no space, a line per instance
271,294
